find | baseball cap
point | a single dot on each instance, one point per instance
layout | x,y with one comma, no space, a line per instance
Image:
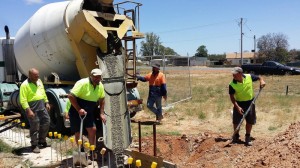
237,70
156,65
96,72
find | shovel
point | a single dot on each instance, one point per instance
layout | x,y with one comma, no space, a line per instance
243,118
78,156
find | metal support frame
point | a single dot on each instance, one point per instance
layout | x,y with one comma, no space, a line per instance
154,135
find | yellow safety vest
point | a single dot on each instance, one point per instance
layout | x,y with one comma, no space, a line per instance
30,92
244,90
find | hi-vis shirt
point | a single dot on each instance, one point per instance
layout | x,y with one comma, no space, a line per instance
157,84
85,90
31,93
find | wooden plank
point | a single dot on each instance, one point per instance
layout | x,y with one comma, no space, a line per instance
146,160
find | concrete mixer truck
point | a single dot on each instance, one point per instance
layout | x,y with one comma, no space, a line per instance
65,41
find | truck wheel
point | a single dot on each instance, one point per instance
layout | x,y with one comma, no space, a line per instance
56,119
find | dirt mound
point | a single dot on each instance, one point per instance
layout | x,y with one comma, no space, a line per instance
283,151
207,150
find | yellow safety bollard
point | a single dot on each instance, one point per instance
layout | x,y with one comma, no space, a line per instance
153,165
65,139
129,161
23,126
138,163
92,148
72,141
55,136
79,149
20,136
50,135
59,139
87,145
102,152
86,149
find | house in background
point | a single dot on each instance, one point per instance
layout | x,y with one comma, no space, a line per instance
235,58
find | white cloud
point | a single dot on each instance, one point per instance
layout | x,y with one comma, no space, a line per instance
30,2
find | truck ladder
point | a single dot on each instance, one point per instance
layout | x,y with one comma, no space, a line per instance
130,47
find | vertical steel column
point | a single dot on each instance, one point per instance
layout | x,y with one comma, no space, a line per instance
154,139
140,138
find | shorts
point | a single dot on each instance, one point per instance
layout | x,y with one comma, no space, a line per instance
89,120
251,116
75,121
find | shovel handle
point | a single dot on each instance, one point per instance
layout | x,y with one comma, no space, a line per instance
245,114
81,125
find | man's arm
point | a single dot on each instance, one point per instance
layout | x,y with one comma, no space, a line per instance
75,104
102,115
262,82
260,78
47,105
24,102
141,78
236,106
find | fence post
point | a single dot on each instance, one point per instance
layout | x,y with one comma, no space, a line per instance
287,90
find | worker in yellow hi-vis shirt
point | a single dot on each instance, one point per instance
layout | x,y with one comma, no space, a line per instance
86,95
35,103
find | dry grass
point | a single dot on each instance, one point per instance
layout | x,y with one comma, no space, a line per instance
210,106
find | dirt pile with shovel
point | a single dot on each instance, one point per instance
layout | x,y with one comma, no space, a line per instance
207,150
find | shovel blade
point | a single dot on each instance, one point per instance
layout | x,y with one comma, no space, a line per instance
79,158
228,143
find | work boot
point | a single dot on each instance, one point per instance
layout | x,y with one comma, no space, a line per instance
248,140
236,138
159,118
35,149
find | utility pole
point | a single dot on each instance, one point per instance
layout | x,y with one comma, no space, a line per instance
254,49
241,41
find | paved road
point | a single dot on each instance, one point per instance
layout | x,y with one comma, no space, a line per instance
191,68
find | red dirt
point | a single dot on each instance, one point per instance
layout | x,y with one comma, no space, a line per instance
207,150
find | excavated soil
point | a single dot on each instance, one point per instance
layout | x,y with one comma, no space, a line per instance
209,150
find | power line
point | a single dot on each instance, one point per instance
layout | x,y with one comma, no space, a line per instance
194,27
199,39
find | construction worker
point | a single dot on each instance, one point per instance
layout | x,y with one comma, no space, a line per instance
84,98
241,95
35,103
157,90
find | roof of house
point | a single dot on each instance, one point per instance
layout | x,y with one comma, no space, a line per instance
236,55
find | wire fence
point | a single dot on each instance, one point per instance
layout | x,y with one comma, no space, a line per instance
177,73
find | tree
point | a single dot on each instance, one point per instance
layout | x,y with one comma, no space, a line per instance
153,46
294,55
273,47
169,51
201,51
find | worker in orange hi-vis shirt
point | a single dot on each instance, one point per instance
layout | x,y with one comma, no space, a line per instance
157,90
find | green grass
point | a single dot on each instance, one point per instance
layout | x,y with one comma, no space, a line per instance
211,104
272,128
174,133
202,115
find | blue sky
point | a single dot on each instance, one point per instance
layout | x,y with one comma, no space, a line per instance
184,25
